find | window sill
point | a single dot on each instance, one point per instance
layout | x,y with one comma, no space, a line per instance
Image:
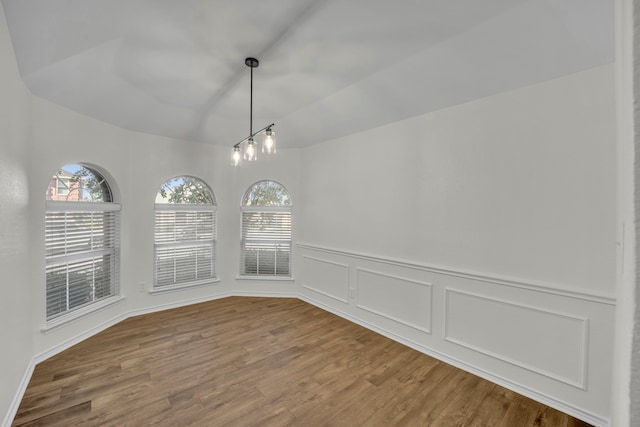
165,289
266,278
77,314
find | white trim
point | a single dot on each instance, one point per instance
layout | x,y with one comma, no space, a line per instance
426,330
183,303
600,298
62,206
327,294
17,398
326,261
172,288
580,383
167,241
266,209
288,243
59,235
514,386
273,278
74,257
185,207
124,316
258,294
15,404
74,315
623,377
186,244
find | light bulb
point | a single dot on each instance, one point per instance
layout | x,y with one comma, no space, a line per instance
250,153
269,142
236,158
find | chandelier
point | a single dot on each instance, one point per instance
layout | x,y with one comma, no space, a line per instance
269,141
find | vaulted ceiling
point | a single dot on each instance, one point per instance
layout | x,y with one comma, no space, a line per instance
328,68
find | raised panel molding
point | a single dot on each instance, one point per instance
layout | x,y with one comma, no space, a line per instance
552,289
328,278
411,304
546,342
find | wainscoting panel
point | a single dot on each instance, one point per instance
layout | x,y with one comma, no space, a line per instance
550,342
326,277
411,305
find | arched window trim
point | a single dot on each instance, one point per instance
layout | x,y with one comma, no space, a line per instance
73,193
185,207
165,187
179,261
255,184
82,263
266,253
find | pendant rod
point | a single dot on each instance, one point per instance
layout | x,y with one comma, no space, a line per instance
251,107
253,63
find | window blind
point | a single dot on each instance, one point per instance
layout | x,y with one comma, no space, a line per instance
82,250
185,249
266,242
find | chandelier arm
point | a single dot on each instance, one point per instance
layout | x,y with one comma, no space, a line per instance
264,128
251,63
252,135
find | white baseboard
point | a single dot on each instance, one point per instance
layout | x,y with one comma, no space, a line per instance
518,388
266,294
15,404
13,409
513,386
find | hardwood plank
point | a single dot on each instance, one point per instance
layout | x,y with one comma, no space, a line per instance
257,361
522,412
335,400
62,415
410,392
490,413
464,405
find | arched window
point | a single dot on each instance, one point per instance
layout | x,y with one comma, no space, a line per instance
184,234
266,231
82,240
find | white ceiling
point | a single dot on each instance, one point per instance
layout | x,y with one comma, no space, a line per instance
328,68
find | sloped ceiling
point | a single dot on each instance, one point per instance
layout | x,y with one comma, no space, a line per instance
328,68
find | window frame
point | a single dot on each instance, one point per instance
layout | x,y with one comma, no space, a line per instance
192,244
274,209
62,258
65,186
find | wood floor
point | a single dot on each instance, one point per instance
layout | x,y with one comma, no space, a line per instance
262,362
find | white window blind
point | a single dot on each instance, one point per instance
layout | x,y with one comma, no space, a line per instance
266,241
185,244
82,247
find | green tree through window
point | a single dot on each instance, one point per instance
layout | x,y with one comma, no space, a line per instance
82,240
184,189
185,234
267,193
266,231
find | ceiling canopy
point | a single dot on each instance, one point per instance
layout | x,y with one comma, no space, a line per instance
328,68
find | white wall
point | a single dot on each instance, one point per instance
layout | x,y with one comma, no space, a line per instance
284,168
36,139
139,164
484,233
15,313
631,282
624,393
506,205
521,184
626,397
